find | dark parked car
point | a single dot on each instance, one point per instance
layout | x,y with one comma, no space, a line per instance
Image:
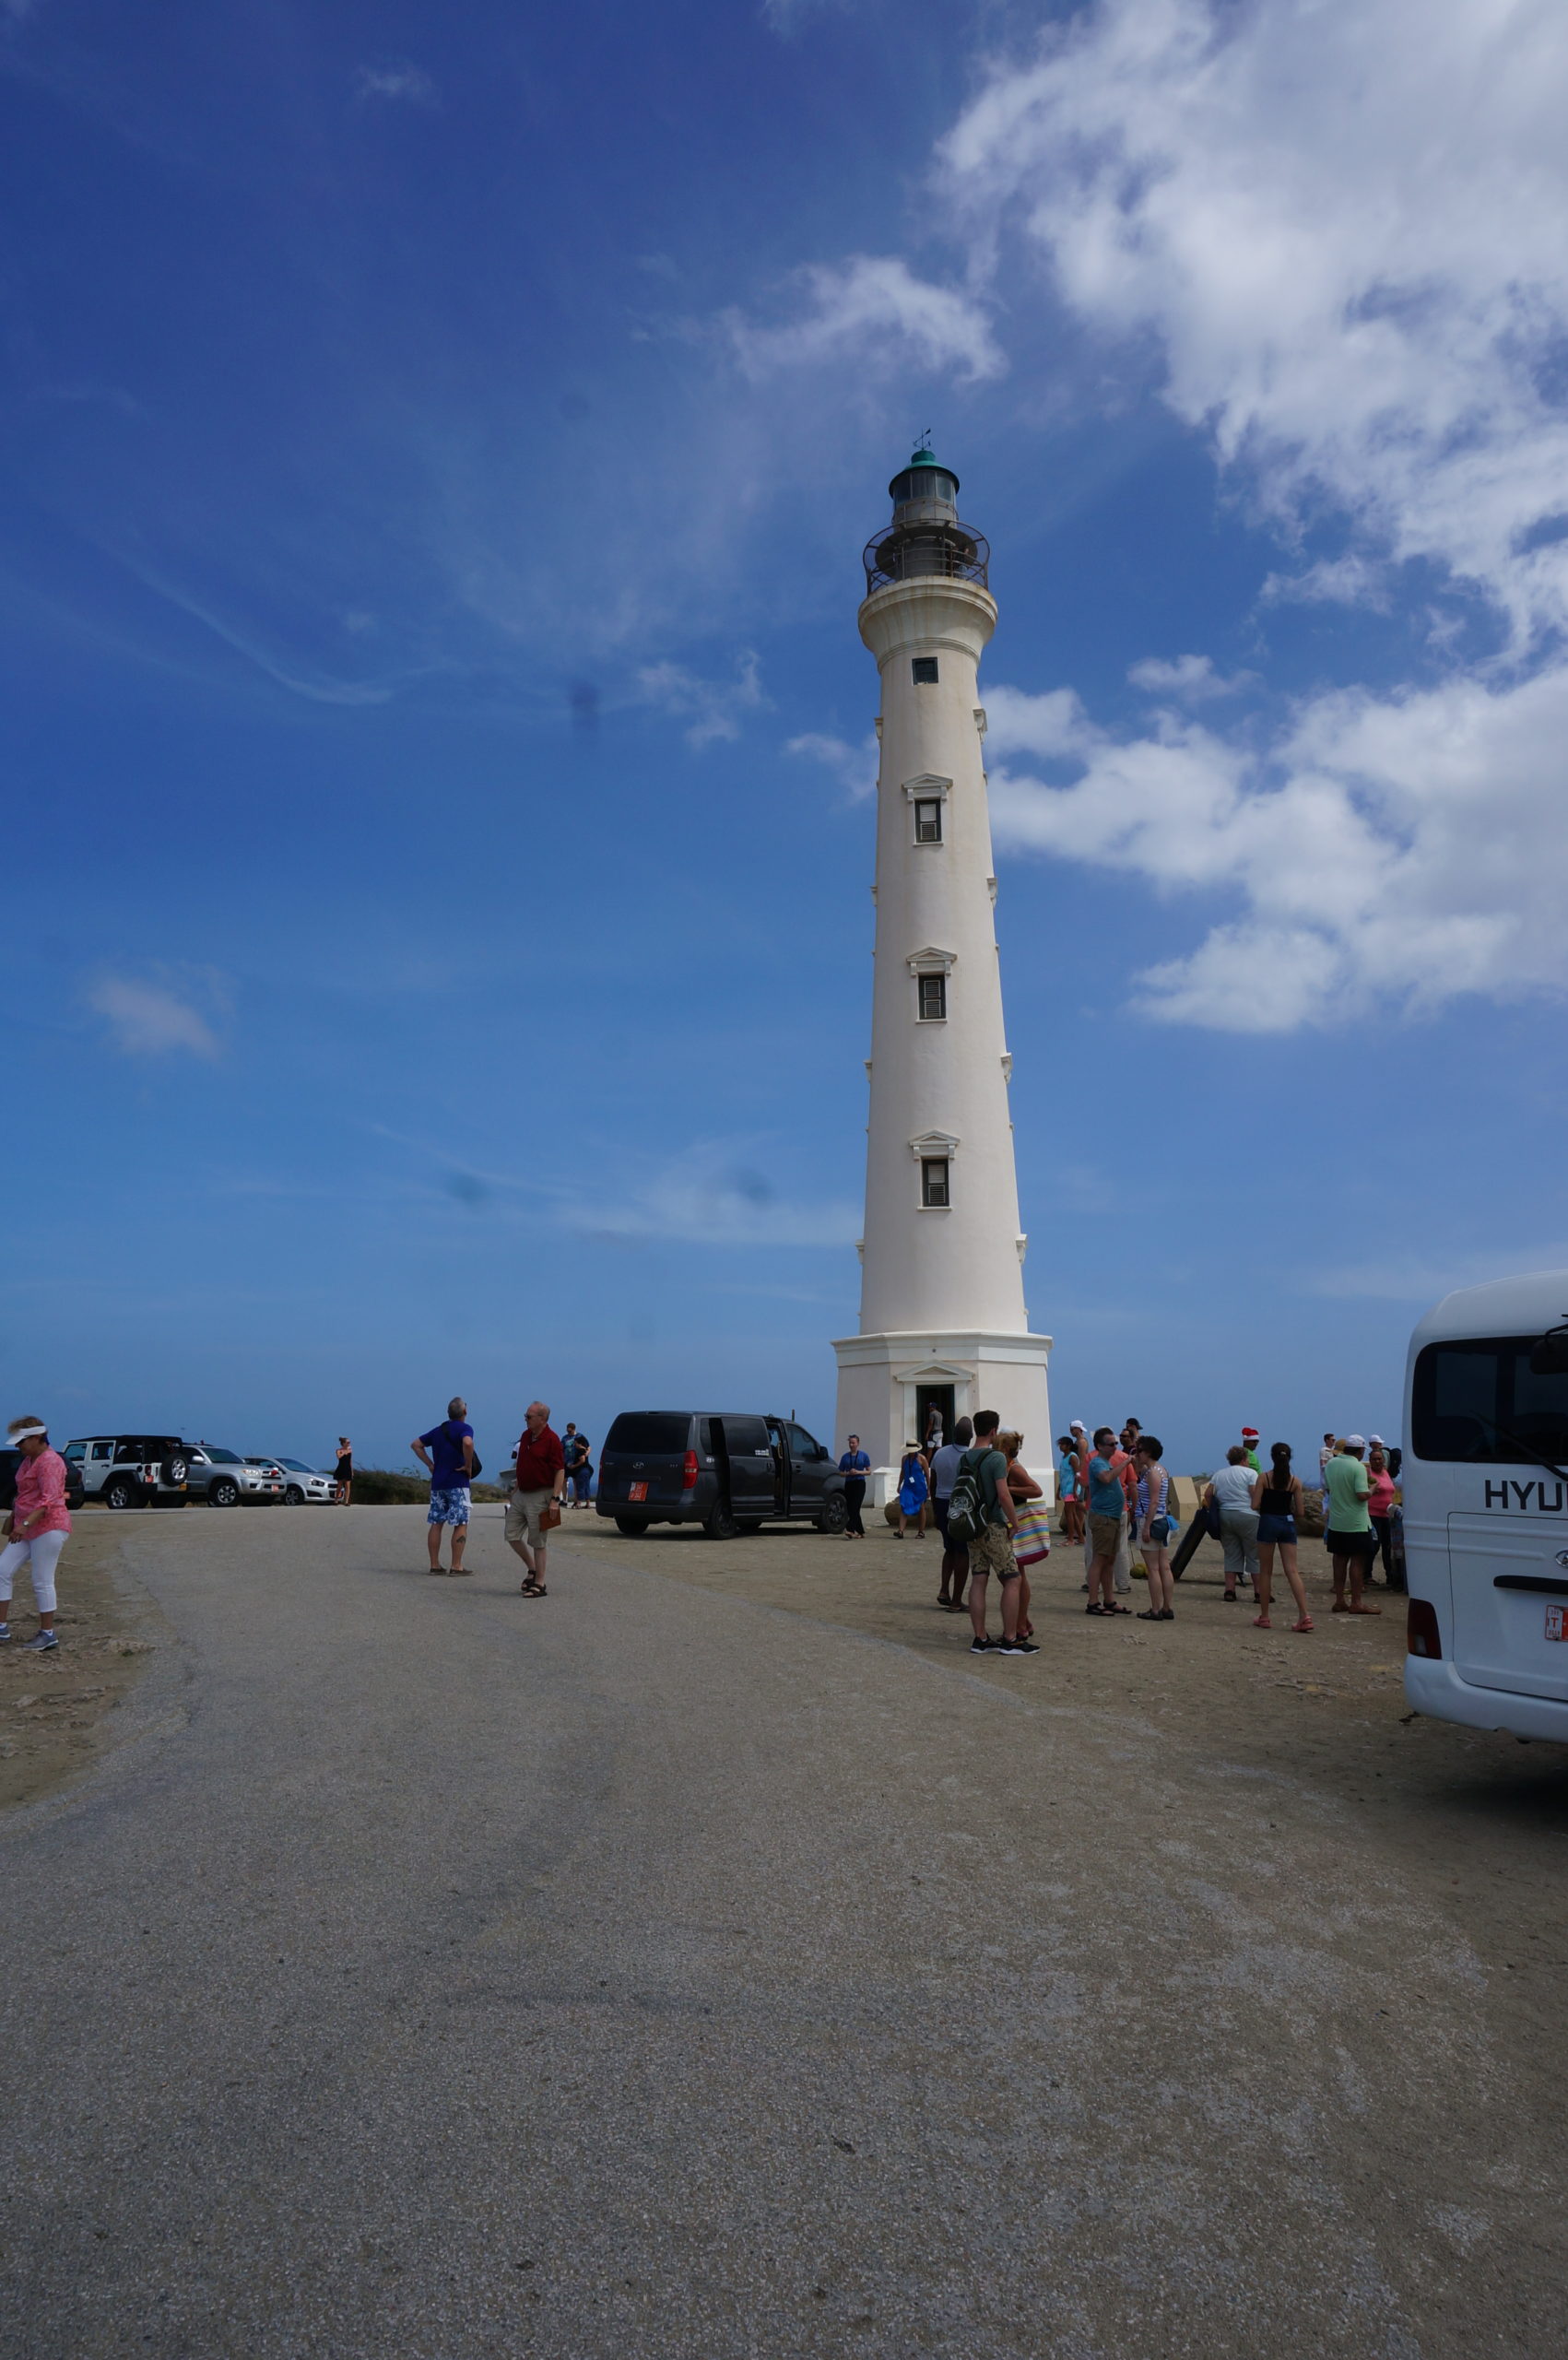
729,1470
9,1462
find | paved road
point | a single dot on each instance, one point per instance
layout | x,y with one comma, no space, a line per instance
652,1972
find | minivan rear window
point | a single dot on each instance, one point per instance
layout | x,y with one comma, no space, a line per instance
648,1430
1469,1397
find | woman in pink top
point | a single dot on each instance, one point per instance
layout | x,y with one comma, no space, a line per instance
1380,1508
36,1530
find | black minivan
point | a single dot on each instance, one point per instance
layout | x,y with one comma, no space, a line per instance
726,1470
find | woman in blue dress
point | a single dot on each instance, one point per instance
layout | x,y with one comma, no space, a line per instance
914,1489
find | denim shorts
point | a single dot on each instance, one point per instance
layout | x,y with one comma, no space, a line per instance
449,1507
1276,1528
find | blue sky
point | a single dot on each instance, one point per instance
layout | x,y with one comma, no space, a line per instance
437,447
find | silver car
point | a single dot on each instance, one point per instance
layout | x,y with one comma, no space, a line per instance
225,1478
302,1483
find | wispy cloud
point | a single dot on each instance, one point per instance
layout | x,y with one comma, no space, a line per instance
715,1194
401,80
1409,1279
712,709
152,1020
874,305
1192,678
318,688
854,767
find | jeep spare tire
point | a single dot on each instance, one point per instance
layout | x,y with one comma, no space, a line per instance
175,1471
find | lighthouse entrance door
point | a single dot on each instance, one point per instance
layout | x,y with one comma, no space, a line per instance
926,1398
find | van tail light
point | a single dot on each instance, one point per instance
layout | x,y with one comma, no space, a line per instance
688,1472
1423,1636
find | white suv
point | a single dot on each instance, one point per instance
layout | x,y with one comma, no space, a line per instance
132,1470
224,1479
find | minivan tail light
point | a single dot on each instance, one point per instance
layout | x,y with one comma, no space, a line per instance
688,1472
1423,1636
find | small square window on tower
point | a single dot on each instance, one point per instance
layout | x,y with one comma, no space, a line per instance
933,999
925,670
934,1181
929,822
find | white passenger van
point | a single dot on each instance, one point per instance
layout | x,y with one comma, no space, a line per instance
1485,1481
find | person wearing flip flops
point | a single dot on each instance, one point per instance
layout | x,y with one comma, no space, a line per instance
1276,1496
534,1509
452,1471
1351,1542
36,1530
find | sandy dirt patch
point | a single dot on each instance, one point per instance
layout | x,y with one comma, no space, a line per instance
57,1711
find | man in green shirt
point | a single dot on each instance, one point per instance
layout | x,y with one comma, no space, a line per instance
1349,1539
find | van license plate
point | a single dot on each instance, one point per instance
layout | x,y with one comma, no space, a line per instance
640,1491
1556,1626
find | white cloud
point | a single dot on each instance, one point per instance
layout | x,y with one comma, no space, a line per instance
1191,678
1380,850
715,708
1340,238
399,81
149,1020
1345,230
854,767
873,305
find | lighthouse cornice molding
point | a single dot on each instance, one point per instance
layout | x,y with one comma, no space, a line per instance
927,613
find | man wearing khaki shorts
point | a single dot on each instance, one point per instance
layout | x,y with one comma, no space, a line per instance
991,1547
537,1486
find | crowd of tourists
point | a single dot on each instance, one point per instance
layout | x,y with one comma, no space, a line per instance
1116,1497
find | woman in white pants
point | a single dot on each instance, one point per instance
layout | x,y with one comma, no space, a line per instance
36,1530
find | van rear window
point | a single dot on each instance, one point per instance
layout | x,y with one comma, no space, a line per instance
648,1430
1477,1400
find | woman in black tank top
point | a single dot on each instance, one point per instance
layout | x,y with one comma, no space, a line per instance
1276,1496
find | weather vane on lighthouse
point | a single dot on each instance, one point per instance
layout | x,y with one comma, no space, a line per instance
943,1323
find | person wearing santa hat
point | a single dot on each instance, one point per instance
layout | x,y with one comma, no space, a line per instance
1249,1444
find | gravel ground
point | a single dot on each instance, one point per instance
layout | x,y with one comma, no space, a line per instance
714,1959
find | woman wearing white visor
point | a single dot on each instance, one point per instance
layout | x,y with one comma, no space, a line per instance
36,1530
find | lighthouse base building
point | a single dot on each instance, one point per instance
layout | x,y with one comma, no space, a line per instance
888,1383
942,1314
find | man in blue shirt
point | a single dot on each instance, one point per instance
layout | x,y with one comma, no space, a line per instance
854,1467
452,1471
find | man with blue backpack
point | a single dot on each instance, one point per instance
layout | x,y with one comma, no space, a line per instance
981,1518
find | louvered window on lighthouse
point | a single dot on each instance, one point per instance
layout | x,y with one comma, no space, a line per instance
928,821
932,991
933,1180
925,670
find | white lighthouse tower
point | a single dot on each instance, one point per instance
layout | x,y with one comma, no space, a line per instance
942,1314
